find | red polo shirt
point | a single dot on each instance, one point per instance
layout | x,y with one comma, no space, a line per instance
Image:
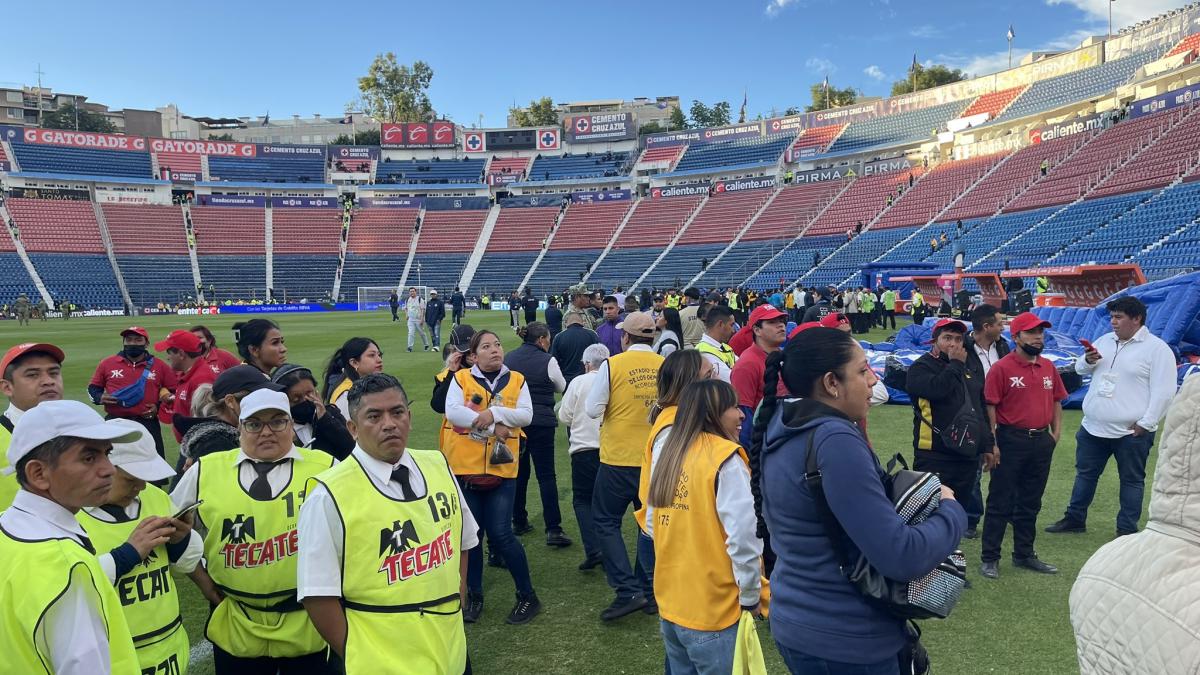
200,373
220,360
747,377
116,372
1024,393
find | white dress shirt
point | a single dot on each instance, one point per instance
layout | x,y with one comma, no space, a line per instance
321,533
512,417
556,376
722,371
13,413
278,477
186,563
584,429
597,399
735,510
988,357
73,630
1132,383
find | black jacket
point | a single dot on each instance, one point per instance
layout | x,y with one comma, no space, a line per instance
435,311
568,348
554,318
534,363
936,387
975,365
817,311
330,434
457,301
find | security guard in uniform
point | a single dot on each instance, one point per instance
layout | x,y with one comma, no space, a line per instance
383,538
58,612
250,503
140,545
29,374
581,300
713,345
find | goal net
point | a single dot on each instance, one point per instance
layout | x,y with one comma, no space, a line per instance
371,298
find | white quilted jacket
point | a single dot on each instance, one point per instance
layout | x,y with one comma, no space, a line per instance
1135,606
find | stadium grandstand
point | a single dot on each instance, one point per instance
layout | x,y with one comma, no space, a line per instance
1084,156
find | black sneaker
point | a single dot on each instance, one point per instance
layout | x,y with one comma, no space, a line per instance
651,607
971,533
590,563
520,529
623,606
495,560
1032,563
1122,533
557,539
473,608
527,607
990,569
1066,525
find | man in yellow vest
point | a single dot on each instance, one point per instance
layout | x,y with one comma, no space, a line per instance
918,306
713,345
383,542
29,374
58,611
250,501
625,388
140,544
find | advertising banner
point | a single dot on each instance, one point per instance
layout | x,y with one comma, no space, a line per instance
56,194
353,153
822,175
1158,35
1171,99
600,127
886,166
548,139
109,197
748,130
744,184
474,141
457,203
439,134
292,150
777,125
990,147
179,176
247,201
391,202
601,196
684,190
673,137
212,148
502,178
304,202
528,201
1078,125
84,139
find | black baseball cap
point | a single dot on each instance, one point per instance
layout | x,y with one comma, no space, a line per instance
461,336
289,368
242,378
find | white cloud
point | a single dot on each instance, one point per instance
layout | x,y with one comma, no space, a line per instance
872,71
820,65
774,7
992,62
1124,13
925,32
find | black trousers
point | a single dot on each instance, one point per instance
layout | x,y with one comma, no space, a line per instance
317,663
152,425
538,446
1015,491
956,474
584,466
888,315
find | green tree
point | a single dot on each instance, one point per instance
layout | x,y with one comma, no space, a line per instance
677,120
927,78
396,93
836,97
651,127
65,118
367,137
540,113
705,116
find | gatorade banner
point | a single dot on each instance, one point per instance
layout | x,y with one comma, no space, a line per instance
391,202
84,139
304,202
684,190
600,127
595,196
211,148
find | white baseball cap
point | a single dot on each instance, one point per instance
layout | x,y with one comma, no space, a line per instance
139,458
49,420
265,399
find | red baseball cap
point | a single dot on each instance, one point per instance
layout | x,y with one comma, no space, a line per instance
1027,321
833,320
953,324
136,330
803,327
22,349
764,313
182,340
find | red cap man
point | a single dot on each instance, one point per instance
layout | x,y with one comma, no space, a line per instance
742,340
136,330
836,320
1025,321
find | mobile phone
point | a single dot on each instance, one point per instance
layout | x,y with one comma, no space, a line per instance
187,509
1087,345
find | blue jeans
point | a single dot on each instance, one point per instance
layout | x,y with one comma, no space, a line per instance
435,333
1091,456
493,511
800,663
698,652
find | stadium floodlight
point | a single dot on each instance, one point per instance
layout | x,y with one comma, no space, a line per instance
371,298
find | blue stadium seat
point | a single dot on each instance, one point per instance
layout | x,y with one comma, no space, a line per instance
269,169
83,161
897,128
586,165
152,279
735,152
1078,86
304,276
560,269
501,271
430,172
86,280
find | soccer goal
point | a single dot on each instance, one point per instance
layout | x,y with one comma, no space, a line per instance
371,298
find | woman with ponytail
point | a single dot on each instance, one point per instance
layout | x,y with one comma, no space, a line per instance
700,518
357,357
820,621
260,344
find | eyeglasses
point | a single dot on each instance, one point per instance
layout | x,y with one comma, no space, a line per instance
255,426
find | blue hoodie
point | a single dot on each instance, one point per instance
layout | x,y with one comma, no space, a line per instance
814,608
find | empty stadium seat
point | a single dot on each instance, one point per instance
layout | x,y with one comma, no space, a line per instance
305,243
305,168
994,103
586,165
1081,85
83,161
514,245
904,127
151,248
735,152
430,171
377,248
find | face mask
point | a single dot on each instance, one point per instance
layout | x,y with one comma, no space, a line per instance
1031,350
304,411
134,351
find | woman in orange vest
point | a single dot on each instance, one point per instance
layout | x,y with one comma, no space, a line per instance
486,406
701,517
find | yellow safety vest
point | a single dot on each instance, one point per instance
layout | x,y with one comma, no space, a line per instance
8,482
400,571
250,552
724,353
917,299
666,418
673,301
689,544
632,389
340,390
33,574
469,457
147,592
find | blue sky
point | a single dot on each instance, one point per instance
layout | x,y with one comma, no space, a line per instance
244,58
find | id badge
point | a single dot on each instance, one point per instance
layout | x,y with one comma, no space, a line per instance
1106,384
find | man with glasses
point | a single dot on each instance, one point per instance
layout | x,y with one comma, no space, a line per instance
250,501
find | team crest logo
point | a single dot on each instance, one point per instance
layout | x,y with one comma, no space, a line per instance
242,550
405,557
237,530
398,538
150,558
